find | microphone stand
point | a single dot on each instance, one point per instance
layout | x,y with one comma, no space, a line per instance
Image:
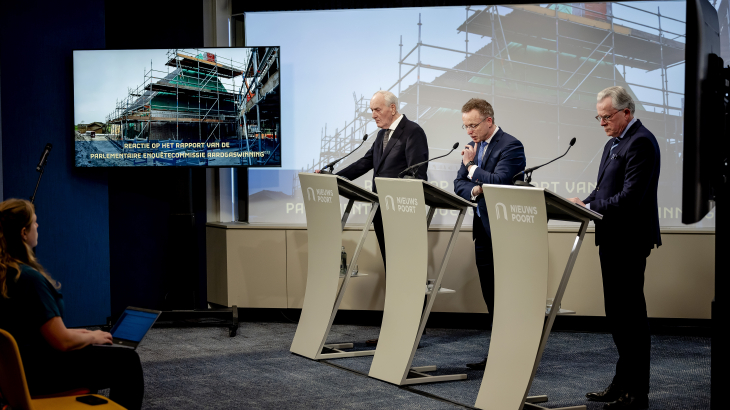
528,171
332,164
415,167
40,169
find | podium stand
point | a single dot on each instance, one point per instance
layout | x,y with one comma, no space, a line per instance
321,194
518,219
405,225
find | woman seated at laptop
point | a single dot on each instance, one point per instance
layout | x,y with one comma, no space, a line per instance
56,359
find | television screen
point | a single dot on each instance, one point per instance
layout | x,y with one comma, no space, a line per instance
212,107
703,115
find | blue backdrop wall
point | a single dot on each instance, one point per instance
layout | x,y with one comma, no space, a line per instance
37,39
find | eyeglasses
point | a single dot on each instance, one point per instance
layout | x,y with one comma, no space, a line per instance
600,118
472,127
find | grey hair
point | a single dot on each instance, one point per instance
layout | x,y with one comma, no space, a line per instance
620,99
389,97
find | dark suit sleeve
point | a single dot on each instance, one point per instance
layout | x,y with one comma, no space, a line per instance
462,184
417,151
592,196
511,161
359,167
640,164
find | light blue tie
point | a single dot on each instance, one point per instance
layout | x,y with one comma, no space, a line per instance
480,157
615,144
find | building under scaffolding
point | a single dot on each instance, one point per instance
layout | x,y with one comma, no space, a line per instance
203,97
541,70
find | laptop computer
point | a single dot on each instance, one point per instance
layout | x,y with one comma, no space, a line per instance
133,326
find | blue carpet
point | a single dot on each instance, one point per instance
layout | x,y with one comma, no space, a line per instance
203,368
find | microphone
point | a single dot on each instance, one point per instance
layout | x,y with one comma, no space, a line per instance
40,168
528,171
416,166
332,164
44,157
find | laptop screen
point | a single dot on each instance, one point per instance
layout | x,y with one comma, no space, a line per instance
133,325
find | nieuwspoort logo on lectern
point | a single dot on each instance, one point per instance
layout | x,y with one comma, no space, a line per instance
404,204
322,195
518,213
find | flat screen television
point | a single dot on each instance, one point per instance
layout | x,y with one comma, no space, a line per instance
703,112
211,107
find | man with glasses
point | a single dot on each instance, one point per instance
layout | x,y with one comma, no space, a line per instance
626,195
493,157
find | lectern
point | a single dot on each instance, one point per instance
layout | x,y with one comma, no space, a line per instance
405,225
518,219
321,194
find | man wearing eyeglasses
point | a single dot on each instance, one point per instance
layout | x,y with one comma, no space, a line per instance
493,157
626,195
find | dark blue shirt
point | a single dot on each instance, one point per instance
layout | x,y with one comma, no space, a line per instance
32,301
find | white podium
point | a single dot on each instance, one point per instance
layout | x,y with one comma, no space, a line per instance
321,194
405,225
518,219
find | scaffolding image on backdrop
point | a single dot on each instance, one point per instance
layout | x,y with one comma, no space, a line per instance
541,67
194,107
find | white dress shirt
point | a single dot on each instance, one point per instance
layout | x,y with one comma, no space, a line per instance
474,167
394,125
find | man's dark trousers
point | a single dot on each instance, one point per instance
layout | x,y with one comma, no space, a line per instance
622,270
485,264
378,226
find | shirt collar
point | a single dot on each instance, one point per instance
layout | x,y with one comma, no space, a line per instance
631,123
488,140
395,123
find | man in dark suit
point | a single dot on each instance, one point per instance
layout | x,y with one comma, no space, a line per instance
626,195
493,157
400,143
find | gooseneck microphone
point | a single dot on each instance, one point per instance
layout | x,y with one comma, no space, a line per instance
41,167
332,164
416,166
528,171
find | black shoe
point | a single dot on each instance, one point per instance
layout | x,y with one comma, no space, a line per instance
629,401
477,366
371,342
612,393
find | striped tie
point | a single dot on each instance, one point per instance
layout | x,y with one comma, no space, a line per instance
615,144
386,137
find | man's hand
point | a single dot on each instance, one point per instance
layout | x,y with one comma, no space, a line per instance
477,190
468,154
316,171
576,201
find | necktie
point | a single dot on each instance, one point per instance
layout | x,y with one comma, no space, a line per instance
615,144
386,137
480,158
481,152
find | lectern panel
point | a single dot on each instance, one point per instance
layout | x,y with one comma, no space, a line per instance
404,225
518,219
322,205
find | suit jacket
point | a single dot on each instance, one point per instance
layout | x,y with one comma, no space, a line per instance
626,191
505,157
407,146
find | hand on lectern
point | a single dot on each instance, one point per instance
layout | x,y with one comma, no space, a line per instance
577,201
316,171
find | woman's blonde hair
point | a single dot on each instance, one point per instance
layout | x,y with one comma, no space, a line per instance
16,214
